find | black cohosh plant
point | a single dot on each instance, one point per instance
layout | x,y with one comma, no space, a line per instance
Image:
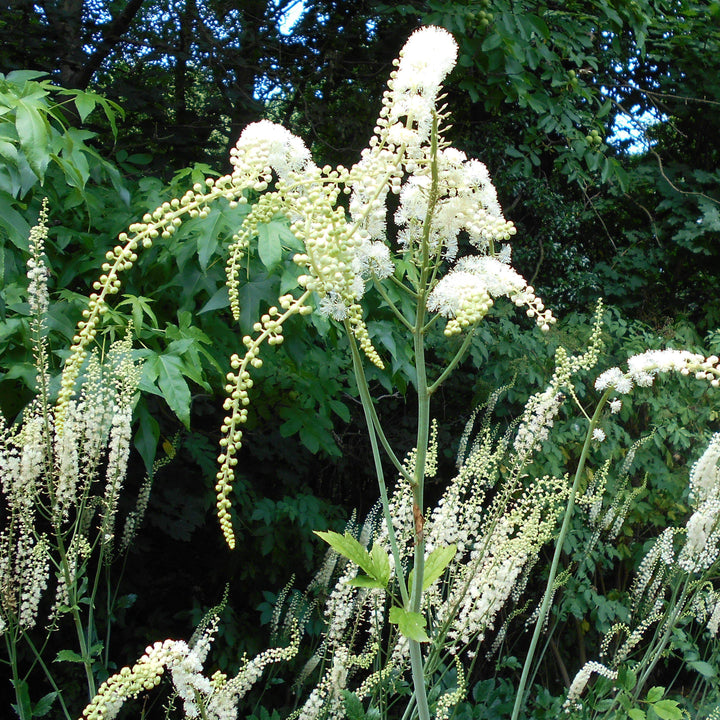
422,588
59,508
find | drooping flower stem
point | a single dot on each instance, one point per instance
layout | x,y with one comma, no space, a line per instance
550,589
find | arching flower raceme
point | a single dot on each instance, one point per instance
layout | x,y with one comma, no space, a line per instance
645,367
466,293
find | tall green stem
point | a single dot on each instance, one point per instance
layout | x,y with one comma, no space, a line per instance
385,501
423,435
549,589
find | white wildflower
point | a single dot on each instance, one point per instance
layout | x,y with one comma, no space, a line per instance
537,419
332,305
264,145
581,680
644,367
373,258
425,60
714,621
614,378
462,297
702,544
705,473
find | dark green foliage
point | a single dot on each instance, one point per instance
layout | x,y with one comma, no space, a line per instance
537,94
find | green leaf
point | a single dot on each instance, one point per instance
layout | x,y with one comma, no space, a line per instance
380,565
410,624
435,564
668,710
270,244
43,705
220,300
353,706
68,656
627,679
13,223
23,696
147,436
348,547
366,581
705,669
85,104
173,387
654,694
32,129
636,714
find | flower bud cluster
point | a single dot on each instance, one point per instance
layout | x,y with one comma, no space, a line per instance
239,382
262,212
130,682
162,222
465,294
262,147
461,297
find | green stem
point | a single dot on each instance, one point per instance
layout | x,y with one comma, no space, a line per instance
392,306
48,675
11,645
549,589
454,362
73,604
368,406
368,410
423,431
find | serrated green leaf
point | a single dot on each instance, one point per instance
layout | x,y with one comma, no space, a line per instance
85,104
173,386
627,679
43,705
32,129
353,706
218,301
22,694
654,694
270,244
13,223
410,624
68,656
668,710
435,564
380,565
348,547
208,241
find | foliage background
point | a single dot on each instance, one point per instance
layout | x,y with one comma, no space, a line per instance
108,108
